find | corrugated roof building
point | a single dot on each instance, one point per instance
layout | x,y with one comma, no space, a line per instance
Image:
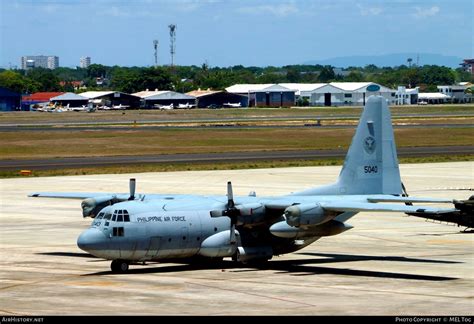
216,99
156,99
112,99
37,97
71,99
318,94
265,95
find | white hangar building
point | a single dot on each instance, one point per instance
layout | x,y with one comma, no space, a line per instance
345,93
330,94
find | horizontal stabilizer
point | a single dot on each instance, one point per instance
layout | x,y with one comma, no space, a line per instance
408,199
360,207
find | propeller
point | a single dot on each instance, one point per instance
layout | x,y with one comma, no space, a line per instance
231,212
132,185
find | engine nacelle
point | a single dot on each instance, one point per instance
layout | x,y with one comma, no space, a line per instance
218,245
251,214
246,254
92,206
306,215
332,227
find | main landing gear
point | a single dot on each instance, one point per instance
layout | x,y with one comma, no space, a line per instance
119,266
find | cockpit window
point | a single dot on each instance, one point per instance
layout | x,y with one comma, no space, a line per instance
121,215
107,215
100,216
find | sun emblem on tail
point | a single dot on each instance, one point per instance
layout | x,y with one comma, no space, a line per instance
369,144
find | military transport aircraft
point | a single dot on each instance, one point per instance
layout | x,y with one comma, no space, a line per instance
131,228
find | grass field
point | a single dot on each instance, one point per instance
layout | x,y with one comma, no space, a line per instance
22,143
75,143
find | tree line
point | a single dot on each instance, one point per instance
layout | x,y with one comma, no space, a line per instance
187,78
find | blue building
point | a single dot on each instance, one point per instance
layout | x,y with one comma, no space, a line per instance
9,100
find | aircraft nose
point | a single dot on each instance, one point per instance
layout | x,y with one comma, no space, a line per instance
91,239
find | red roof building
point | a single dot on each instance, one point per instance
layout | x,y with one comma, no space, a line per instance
41,96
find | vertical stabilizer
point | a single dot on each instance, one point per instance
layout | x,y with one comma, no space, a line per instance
371,164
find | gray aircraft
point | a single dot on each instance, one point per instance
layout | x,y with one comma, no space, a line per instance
130,228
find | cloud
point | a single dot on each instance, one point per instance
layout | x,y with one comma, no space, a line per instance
281,10
369,11
421,13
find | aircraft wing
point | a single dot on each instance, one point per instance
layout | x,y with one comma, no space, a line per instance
75,195
340,206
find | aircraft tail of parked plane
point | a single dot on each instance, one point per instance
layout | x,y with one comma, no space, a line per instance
371,163
131,228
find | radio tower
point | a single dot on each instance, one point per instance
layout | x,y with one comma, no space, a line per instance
172,28
155,45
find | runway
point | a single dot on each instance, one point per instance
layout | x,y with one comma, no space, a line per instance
61,163
388,264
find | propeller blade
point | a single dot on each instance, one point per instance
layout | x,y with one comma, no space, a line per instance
230,196
132,185
233,239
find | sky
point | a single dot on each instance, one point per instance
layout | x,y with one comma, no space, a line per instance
231,32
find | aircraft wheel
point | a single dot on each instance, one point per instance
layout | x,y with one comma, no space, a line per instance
119,266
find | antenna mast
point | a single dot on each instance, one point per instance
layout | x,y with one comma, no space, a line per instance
155,45
172,28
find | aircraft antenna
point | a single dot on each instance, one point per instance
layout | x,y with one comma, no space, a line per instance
172,28
155,46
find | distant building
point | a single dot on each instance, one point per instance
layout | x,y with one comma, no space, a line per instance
111,99
84,62
36,98
265,95
9,100
76,84
468,65
406,96
71,99
215,98
456,93
317,94
433,97
157,98
34,61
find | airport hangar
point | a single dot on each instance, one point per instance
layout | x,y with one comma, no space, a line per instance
206,98
163,97
317,94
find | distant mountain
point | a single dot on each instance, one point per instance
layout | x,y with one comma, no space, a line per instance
390,60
